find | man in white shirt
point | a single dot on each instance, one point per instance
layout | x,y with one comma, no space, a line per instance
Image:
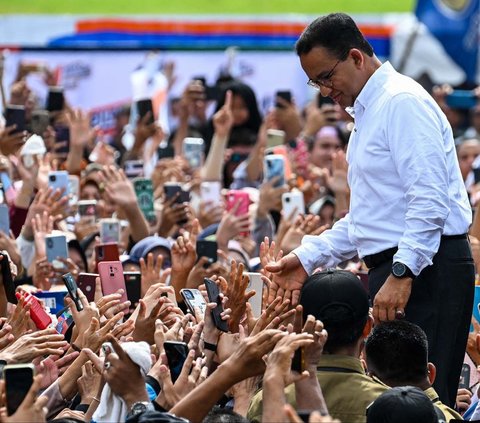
409,211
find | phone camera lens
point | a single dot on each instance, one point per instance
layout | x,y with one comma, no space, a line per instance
53,178
49,243
189,295
287,199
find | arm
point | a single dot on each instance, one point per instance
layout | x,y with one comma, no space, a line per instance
328,250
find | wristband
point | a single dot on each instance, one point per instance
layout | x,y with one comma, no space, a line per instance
210,347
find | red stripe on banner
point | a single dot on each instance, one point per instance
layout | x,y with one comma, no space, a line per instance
208,27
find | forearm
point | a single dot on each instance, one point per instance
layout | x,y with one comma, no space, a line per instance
308,394
74,160
273,399
180,135
67,383
178,280
196,405
213,167
137,221
24,196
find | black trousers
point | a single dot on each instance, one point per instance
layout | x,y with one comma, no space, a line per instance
441,304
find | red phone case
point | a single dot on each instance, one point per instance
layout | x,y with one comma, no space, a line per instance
106,252
39,316
112,279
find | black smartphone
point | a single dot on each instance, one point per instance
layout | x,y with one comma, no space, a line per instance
176,353
212,92
143,107
464,377
72,290
62,135
214,296
15,115
165,152
298,361
18,381
133,284
321,100
55,99
476,174
207,249
170,190
8,283
284,95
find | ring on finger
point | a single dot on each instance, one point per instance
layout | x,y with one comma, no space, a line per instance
107,365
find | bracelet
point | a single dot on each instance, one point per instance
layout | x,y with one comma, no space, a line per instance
95,399
208,346
75,348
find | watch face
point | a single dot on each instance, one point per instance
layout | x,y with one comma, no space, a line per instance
399,270
139,408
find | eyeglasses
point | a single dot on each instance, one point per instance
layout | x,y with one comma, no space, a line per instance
326,81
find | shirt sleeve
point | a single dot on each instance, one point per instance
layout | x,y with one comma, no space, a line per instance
416,137
328,249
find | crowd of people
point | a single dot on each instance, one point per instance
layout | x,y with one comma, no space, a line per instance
175,329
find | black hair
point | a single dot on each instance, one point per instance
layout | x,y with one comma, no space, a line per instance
397,353
224,415
337,32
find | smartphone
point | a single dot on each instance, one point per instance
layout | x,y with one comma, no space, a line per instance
55,99
133,284
144,191
274,165
73,189
7,279
285,95
87,210
58,179
165,151
143,107
9,192
133,168
62,135
194,298
193,151
110,230
171,189
212,92
242,197
106,252
176,353
15,115
211,192
255,283
464,377
52,299
56,246
18,381
293,204
39,122
4,219
214,296
207,249
461,99
72,289
111,277
322,100
86,282
298,360
38,315
275,137
64,321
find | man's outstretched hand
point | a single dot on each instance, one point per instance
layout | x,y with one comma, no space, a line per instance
288,277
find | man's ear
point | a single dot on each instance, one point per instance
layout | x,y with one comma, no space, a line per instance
368,326
432,372
357,57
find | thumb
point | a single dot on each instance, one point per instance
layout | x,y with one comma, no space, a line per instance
276,267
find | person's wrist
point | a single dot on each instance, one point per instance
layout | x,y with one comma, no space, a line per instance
135,395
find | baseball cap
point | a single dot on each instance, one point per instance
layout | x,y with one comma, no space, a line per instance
404,404
146,245
336,297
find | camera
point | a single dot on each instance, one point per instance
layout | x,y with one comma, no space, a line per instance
188,295
52,178
49,243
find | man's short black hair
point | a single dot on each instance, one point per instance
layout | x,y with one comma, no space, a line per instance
397,353
337,32
224,415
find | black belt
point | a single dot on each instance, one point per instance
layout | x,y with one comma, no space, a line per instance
377,259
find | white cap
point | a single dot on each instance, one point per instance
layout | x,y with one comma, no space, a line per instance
33,145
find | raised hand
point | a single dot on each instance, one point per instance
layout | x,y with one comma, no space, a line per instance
223,119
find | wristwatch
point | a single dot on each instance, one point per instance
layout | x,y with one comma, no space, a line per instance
140,407
400,270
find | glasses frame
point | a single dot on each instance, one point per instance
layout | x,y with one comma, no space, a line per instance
326,81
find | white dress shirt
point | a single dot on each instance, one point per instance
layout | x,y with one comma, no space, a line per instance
405,181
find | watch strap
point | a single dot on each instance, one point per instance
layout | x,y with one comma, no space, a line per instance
210,347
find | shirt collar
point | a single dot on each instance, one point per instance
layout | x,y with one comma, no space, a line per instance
372,89
346,362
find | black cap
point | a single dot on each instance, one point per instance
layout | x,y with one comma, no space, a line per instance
404,404
336,297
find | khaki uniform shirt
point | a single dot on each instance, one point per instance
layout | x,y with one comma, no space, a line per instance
346,388
449,413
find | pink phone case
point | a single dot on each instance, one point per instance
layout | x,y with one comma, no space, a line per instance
235,196
112,279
